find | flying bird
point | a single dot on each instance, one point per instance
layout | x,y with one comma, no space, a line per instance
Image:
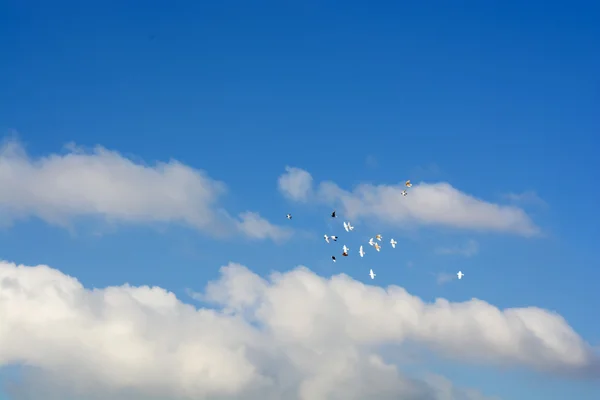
334,238
333,258
361,251
408,184
404,193
289,216
345,249
371,242
333,214
377,246
348,227
460,274
393,243
345,254
326,238
372,274
378,237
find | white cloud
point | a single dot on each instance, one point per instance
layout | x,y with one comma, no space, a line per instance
469,249
294,336
426,204
102,183
254,226
295,184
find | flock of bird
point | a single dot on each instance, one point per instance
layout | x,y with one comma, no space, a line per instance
373,242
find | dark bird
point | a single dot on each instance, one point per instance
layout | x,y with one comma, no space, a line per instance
333,214
333,258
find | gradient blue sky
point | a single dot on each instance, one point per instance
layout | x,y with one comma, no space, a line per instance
494,99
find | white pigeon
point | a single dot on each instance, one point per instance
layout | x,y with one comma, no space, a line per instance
393,243
334,238
404,193
361,251
326,238
408,184
372,274
345,249
348,227
377,246
378,237
289,216
460,274
371,242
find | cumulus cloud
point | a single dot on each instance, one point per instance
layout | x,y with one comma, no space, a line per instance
295,184
427,204
469,249
295,335
62,187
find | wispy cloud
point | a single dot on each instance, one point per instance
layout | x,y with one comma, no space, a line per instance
371,162
427,171
468,249
256,227
444,277
295,184
526,198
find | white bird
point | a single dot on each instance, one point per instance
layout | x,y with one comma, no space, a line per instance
377,246
393,243
333,258
460,274
408,184
348,227
326,238
289,216
361,251
378,237
334,238
404,193
345,249
371,242
372,274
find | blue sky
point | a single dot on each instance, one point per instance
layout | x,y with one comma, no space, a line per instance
493,99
